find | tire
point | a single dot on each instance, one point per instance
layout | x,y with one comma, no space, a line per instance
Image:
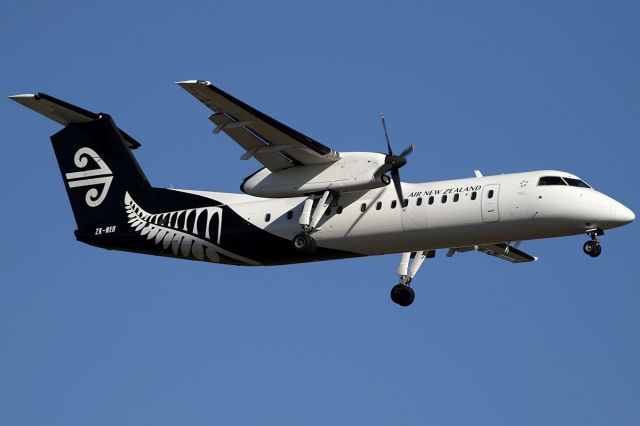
402,295
592,248
304,243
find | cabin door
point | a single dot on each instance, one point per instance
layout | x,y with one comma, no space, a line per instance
490,212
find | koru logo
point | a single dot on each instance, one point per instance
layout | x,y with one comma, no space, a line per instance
100,176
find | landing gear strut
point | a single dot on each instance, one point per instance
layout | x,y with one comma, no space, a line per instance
593,247
402,293
304,243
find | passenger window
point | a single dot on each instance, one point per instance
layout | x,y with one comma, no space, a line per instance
394,203
378,205
473,195
290,214
551,180
444,199
490,193
267,217
405,203
456,197
363,207
419,201
339,210
431,200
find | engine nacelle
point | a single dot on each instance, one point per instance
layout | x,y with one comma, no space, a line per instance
354,171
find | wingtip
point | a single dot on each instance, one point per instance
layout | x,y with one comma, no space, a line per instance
193,82
22,96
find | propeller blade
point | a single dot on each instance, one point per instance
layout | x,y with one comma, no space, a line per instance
395,176
408,150
386,135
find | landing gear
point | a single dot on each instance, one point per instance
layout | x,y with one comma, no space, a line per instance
304,243
402,293
593,247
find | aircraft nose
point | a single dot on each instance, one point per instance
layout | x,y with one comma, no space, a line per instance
623,214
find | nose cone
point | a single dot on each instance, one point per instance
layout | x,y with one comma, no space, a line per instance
623,214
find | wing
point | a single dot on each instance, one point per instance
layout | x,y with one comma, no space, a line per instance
274,144
503,251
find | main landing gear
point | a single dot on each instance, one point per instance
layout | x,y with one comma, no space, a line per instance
304,243
593,247
402,293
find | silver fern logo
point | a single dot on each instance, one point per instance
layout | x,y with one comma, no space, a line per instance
93,177
192,233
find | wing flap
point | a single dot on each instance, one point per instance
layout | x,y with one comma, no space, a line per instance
250,142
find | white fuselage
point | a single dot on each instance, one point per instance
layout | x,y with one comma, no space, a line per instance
504,208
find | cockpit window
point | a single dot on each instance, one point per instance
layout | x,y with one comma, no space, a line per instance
551,180
576,182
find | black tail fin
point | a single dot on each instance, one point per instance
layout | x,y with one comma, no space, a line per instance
98,169
96,162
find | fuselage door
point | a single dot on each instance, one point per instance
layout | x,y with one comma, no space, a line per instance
490,211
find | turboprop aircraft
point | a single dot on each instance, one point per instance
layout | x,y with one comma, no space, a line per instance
309,202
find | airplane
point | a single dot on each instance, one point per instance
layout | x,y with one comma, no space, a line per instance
308,202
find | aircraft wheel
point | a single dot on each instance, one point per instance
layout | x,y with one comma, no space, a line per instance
304,243
402,294
592,248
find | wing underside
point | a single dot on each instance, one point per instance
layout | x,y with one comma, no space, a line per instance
502,251
269,141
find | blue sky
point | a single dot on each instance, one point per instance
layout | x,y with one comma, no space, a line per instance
94,337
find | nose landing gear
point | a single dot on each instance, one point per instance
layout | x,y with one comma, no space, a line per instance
593,247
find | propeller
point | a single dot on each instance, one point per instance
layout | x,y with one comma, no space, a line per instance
392,163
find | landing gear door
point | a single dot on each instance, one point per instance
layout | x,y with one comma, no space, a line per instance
490,212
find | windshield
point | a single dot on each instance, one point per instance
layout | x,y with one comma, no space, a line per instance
551,180
560,181
576,182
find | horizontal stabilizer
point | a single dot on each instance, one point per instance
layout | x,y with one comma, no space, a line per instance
63,112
